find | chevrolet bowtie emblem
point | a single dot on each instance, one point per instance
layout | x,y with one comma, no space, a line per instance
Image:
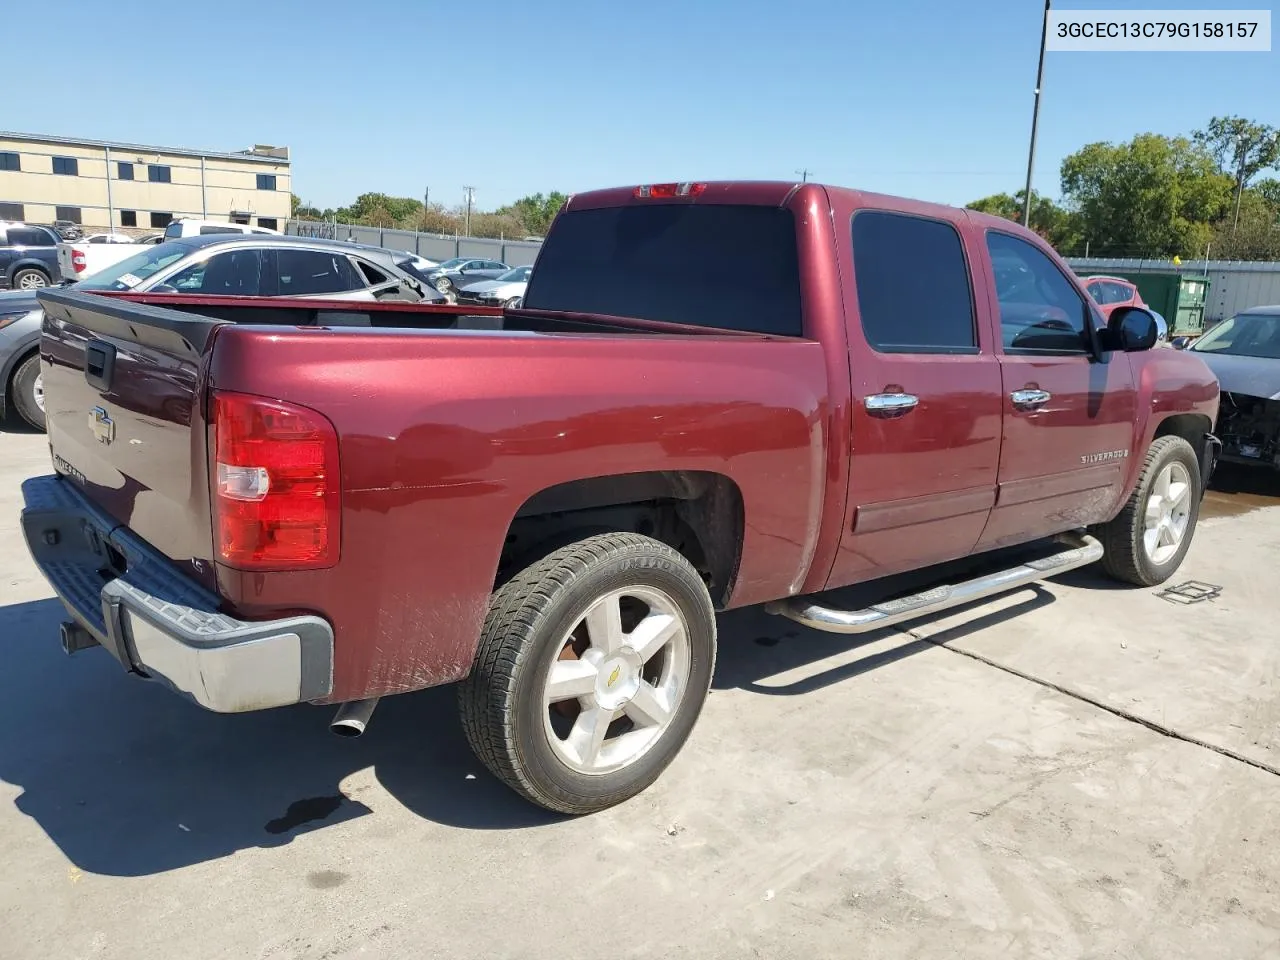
613,677
101,425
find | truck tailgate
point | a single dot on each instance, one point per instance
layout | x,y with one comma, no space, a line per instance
122,399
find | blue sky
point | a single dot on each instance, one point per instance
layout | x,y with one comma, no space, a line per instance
925,98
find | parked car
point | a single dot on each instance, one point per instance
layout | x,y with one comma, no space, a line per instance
108,238
1112,292
68,229
193,227
1244,354
219,264
503,291
464,271
359,513
28,256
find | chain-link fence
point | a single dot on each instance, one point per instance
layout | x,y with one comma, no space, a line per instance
433,246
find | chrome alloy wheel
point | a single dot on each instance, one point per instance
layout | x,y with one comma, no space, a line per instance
1168,513
619,679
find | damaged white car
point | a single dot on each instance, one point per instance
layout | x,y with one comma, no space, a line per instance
1244,354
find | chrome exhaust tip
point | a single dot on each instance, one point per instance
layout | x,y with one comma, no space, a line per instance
352,717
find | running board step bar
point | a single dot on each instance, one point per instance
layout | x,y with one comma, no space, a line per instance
1080,550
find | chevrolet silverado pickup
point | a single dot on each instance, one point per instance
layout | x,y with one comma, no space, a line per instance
713,395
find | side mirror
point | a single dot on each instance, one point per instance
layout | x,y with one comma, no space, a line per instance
1180,343
1130,329
516,303
164,288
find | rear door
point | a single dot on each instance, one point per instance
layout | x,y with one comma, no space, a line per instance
1068,425
123,419
926,394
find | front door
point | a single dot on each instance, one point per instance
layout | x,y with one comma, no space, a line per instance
926,392
1068,417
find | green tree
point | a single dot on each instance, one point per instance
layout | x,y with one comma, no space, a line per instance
1048,219
1241,148
378,209
299,209
1255,237
1153,196
1269,190
535,212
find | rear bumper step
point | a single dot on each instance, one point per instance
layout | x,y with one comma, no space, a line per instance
161,624
1080,550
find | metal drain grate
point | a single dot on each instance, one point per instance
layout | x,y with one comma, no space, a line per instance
1193,591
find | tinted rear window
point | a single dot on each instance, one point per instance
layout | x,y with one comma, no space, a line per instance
706,265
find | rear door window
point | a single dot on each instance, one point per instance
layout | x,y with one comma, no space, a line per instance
707,265
31,237
371,273
310,272
914,294
235,273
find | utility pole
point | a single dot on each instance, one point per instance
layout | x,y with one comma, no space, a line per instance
804,175
470,194
1243,148
1035,118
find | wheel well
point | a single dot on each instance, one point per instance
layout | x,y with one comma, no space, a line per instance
696,513
37,267
1191,427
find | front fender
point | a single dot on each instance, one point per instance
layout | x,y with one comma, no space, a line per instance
1170,383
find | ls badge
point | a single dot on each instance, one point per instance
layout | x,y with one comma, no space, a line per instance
101,425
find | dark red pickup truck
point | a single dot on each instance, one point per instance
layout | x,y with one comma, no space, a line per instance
714,395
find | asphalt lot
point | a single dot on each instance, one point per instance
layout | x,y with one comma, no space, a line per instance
1002,795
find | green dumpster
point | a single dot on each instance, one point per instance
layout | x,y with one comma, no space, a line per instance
1178,297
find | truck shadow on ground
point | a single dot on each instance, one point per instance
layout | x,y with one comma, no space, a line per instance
128,779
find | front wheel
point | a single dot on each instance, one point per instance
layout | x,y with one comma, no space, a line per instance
592,668
1146,543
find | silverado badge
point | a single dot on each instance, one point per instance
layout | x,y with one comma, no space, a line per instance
101,425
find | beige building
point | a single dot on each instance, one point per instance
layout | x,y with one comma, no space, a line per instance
125,185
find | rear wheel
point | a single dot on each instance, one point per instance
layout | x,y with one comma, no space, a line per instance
29,278
592,668
28,391
1147,542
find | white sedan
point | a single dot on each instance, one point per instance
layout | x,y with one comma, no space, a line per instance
504,291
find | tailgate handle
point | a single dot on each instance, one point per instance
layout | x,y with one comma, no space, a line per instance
99,364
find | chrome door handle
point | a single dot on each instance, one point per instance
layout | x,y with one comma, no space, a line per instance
890,404
1030,399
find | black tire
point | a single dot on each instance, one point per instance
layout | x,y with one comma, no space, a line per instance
501,702
32,276
23,391
1126,558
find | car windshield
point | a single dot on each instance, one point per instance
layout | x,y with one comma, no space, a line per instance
1244,335
414,268
455,262
128,273
516,275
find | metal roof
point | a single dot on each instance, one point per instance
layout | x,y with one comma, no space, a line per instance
143,148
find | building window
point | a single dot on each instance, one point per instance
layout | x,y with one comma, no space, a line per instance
12,211
124,171
266,181
160,220
271,223
68,213
10,161
128,218
158,174
66,166
240,218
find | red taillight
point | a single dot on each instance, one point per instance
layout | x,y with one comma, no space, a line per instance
659,191
276,499
77,260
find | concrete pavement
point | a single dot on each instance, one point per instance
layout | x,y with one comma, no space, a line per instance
844,797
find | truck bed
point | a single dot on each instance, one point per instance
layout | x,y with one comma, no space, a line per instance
449,422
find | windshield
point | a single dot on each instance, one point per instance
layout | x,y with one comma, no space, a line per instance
415,268
455,262
128,273
515,275
1244,335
